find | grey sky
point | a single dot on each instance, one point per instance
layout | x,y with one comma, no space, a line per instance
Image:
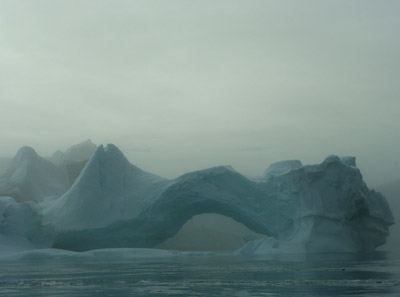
184,85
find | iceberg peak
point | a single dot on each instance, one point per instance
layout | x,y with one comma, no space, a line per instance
25,153
109,182
113,149
313,208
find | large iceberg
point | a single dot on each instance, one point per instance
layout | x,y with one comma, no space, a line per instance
325,207
319,208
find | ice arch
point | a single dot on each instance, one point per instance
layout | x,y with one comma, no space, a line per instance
329,200
218,190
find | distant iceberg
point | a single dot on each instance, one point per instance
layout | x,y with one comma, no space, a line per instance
113,204
30,177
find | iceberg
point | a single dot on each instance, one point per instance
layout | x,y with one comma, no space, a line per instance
114,204
314,208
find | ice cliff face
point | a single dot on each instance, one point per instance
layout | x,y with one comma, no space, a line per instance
30,177
325,207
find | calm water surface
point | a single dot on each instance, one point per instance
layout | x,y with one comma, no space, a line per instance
375,274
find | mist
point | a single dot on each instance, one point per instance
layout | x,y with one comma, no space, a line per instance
184,85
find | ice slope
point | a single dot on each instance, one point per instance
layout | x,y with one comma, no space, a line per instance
32,178
325,207
108,189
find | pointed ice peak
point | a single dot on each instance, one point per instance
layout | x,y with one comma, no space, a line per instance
109,188
108,162
26,153
282,167
109,151
113,149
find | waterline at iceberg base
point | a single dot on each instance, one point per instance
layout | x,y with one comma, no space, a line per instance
113,204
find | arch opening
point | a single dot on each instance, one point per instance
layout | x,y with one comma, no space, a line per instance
210,232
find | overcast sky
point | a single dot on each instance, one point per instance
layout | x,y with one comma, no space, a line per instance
185,85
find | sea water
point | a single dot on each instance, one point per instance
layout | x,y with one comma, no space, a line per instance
376,274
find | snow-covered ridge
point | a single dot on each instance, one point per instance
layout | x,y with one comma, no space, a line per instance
314,208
